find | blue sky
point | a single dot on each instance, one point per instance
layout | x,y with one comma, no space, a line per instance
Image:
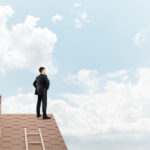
99,66
105,44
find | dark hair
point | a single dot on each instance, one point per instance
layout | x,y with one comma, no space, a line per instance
41,68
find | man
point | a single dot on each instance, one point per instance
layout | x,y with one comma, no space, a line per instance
41,85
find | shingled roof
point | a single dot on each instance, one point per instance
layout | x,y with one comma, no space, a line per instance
13,129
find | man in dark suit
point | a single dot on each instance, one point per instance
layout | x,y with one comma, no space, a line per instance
41,84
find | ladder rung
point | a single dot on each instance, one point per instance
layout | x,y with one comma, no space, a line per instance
34,142
26,139
32,133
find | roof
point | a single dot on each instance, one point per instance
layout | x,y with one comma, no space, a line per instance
13,135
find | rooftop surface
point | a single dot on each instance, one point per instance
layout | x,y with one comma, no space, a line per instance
12,135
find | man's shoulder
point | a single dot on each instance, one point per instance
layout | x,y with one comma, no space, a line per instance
38,76
44,75
41,76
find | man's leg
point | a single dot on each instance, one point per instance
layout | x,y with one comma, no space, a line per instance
44,104
38,105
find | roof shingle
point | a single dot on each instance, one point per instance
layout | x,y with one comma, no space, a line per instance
13,137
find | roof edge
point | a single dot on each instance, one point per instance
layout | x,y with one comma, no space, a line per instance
0,103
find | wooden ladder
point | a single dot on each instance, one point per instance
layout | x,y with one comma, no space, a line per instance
26,139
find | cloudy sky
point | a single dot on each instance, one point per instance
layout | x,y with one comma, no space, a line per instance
97,57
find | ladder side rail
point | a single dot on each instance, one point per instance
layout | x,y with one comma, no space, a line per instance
26,140
41,139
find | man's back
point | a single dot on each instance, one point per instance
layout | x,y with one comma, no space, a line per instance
41,84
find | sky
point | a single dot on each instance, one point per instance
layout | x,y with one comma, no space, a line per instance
97,58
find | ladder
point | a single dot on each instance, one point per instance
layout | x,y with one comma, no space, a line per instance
26,139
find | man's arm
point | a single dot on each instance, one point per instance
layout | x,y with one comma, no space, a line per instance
34,83
47,82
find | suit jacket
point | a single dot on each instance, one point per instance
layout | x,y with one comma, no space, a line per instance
41,84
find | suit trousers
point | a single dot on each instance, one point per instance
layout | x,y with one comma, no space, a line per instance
43,99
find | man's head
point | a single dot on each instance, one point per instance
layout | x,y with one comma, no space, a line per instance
42,70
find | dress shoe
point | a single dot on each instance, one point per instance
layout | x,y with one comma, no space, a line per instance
46,117
38,116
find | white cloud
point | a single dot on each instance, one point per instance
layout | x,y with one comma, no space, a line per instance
92,81
122,106
56,18
83,16
79,22
5,12
25,45
77,5
140,37
88,79
117,73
